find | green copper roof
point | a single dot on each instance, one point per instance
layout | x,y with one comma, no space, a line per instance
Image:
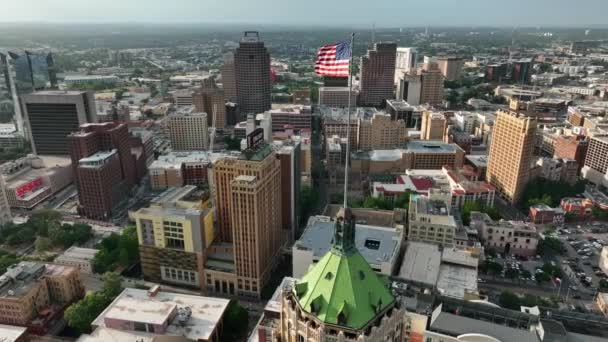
342,289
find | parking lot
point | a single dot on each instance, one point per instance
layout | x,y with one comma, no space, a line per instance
584,244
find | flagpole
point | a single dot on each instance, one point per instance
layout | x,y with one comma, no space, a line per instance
350,89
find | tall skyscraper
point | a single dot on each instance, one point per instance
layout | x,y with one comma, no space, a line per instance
521,71
451,67
405,61
188,131
248,200
252,74
104,168
229,78
431,84
511,152
377,74
22,72
52,115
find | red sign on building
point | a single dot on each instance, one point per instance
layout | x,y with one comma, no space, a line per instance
28,187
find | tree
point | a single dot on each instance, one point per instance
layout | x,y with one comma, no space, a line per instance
112,284
472,206
550,245
490,267
42,244
525,274
509,300
603,285
81,314
542,277
117,251
236,321
512,273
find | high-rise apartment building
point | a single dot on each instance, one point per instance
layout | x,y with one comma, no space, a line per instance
377,75
252,74
188,131
596,162
451,67
511,152
381,133
434,126
228,78
405,61
174,233
22,72
248,200
431,84
105,168
52,115
211,100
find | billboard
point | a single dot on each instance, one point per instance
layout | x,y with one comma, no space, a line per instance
28,187
255,138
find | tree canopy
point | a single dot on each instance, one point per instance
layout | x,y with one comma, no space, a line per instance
117,251
550,192
236,321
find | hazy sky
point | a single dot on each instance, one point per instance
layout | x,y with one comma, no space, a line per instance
385,13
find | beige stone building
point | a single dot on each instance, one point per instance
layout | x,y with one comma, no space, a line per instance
248,200
29,288
188,131
431,219
433,127
381,133
511,152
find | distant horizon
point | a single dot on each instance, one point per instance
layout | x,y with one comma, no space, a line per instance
316,13
300,26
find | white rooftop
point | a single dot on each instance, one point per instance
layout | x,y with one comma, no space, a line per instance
136,305
10,333
421,263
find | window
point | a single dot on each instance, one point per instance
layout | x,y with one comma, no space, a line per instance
372,244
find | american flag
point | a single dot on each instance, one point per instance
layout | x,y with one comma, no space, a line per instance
334,59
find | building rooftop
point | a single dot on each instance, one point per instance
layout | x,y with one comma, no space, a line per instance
376,244
142,306
175,160
11,333
78,253
421,263
431,147
97,159
455,325
399,105
59,92
456,281
478,160
19,279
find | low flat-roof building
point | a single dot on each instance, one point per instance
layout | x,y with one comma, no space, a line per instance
78,257
428,155
380,246
11,333
432,219
137,315
453,272
509,237
32,179
35,294
462,183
